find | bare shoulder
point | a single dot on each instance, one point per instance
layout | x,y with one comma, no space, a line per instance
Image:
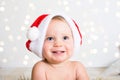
80,68
80,71
38,66
38,71
78,64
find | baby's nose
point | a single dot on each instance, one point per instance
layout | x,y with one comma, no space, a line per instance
58,43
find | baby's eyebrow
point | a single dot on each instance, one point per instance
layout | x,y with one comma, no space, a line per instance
49,35
67,34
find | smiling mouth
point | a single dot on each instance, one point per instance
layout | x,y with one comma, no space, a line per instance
58,52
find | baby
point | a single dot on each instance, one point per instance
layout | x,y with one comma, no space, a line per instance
54,37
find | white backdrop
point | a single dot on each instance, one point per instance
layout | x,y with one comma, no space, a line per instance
99,21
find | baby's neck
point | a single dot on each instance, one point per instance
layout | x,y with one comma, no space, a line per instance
59,65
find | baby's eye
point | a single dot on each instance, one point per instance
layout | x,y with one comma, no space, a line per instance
50,38
65,37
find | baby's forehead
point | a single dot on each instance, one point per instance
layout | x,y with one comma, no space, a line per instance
59,24
60,18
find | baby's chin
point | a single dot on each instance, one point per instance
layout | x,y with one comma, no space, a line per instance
58,57
59,60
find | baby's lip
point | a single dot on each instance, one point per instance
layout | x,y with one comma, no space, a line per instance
58,52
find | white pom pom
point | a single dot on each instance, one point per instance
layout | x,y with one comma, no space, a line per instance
33,33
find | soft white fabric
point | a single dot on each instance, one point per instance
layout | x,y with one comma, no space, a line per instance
113,69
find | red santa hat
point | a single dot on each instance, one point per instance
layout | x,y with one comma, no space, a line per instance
36,33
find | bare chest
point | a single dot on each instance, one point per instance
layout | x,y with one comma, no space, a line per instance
63,74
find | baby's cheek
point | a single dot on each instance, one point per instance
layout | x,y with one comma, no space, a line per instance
70,48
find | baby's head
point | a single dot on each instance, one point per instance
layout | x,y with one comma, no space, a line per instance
53,30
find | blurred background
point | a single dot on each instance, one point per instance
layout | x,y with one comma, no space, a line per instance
99,21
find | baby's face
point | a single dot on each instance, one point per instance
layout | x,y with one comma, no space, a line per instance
58,44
